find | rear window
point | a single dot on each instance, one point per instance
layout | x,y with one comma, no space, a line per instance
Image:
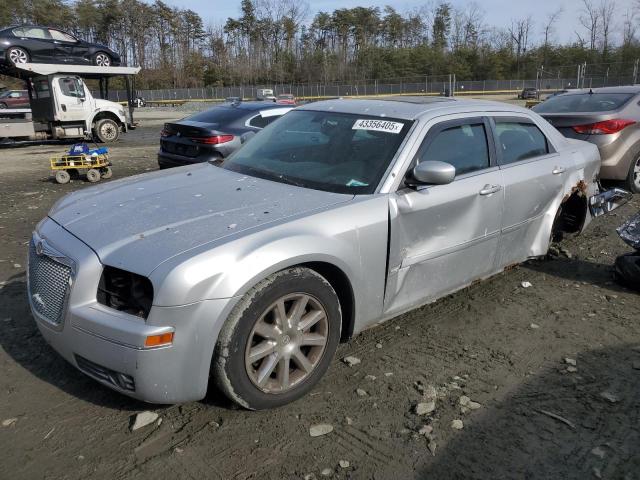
586,102
218,115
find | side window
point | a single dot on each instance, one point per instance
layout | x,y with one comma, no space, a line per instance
259,121
31,32
71,87
519,141
463,146
58,35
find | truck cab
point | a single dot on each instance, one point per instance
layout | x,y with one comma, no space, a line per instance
65,104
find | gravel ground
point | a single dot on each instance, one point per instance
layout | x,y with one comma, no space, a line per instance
540,382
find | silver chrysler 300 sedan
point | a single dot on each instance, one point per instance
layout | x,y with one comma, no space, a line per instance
337,216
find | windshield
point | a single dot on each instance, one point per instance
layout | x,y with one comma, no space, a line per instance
583,103
329,151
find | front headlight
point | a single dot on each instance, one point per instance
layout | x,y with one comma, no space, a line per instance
125,291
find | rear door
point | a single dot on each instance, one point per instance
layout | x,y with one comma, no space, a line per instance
38,42
445,236
534,175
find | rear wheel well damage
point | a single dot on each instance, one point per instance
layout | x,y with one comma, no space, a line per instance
342,286
572,213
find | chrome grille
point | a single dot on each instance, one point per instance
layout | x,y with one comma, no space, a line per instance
49,283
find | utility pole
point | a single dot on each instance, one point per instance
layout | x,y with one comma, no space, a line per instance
579,71
636,64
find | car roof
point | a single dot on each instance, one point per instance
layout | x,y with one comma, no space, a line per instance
634,89
409,107
250,106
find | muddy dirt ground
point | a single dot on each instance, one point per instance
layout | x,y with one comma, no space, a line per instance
499,344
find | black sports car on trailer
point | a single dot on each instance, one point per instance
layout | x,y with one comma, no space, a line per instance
35,44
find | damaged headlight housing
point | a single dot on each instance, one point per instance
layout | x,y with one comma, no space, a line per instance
125,291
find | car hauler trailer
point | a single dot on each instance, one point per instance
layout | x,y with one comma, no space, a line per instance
62,106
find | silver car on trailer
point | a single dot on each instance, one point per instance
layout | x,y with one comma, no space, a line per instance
337,216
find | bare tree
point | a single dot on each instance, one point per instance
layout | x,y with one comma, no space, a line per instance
606,11
549,27
519,32
629,27
590,20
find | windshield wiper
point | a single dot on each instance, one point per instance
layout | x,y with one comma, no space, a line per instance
289,181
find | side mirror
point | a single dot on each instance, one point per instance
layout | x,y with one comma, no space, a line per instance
433,173
608,200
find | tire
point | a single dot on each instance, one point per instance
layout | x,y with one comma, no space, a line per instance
243,334
3,106
106,173
106,130
102,59
633,178
17,55
93,175
626,270
62,176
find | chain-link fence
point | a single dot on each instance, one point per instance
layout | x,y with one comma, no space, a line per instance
425,85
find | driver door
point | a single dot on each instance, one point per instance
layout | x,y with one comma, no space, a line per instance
65,47
71,101
444,237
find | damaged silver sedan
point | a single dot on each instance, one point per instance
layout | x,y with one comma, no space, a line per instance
339,215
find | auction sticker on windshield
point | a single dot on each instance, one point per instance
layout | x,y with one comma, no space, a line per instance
378,126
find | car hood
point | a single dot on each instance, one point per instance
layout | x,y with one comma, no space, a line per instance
139,222
104,104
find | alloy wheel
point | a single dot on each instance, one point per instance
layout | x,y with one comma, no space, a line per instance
17,55
636,174
286,343
103,60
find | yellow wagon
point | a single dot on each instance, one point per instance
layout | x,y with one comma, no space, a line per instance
94,166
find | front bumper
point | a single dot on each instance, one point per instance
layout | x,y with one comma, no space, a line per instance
113,342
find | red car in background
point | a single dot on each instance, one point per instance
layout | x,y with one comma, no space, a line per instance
14,99
286,99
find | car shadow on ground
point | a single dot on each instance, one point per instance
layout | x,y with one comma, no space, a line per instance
556,425
22,341
577,271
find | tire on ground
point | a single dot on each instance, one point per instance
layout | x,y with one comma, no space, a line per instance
106,172
93,175
229,369
106,130
633,177
62,176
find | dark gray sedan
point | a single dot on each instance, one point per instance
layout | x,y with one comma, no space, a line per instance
214,134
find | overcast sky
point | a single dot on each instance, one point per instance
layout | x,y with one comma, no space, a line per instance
497,12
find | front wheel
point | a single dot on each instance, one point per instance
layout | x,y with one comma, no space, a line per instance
106,173
279,340
3,106
633,179
107,130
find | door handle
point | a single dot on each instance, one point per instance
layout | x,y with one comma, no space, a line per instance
489,189
558,170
